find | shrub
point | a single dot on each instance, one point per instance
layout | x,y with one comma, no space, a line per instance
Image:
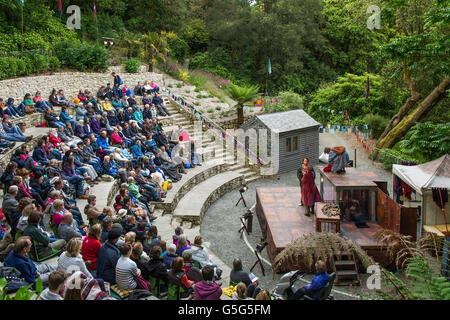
40,64
210,110
179,85
218,108
82,56
178,48
133,65
197,89
170,85
377,123
426,140
14,67
389,157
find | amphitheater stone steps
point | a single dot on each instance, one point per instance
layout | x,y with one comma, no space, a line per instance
195,203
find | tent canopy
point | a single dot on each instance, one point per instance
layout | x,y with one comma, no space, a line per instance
433,174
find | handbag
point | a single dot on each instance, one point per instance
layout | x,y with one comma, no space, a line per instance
142,284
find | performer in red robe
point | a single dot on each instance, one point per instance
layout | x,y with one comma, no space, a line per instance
310,193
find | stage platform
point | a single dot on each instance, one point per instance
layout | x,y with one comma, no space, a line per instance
283,221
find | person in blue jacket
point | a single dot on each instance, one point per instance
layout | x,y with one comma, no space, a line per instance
29,270
108,255
102,142
64,117
317,283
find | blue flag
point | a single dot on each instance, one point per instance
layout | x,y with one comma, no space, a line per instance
269,67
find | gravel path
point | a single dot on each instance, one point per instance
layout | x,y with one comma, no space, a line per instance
221,222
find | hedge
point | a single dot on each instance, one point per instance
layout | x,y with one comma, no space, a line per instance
82,56
11,67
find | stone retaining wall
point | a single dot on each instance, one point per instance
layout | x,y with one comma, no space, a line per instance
213,196
169,207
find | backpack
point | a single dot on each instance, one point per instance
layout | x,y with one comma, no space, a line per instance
12,275
139,294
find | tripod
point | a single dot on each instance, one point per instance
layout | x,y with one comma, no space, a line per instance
258,261
243,200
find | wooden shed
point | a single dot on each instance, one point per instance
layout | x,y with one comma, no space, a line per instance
298,135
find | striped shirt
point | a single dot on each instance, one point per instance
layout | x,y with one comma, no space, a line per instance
71,265
126,269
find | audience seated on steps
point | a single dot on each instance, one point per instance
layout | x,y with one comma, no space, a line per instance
30,270
48,178
56,281
91,248
14,133
207,289
42,245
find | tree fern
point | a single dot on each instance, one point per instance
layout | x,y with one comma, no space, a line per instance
426,285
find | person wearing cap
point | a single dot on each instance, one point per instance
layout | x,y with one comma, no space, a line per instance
11,109
109,254
5,109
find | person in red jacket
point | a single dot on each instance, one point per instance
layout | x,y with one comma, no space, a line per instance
91,247
54,138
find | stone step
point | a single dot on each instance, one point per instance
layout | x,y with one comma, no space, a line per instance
195,203
252,178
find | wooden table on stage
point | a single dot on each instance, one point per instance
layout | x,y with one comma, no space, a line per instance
330,224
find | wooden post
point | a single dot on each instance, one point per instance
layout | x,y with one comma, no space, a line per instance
355,159
373,204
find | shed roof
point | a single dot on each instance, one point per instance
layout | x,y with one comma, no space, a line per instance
288,120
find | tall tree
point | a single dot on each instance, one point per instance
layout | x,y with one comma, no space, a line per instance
424,53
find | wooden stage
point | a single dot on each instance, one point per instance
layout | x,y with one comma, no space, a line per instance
283,221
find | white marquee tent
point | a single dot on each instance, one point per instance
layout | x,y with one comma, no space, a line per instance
423,178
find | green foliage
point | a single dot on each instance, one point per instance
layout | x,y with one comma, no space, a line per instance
178,48
24,293
377,123
288,101
426,285
133,65
195,35
388,157
242,95
82,56
428,140
11,67
348,94
179,85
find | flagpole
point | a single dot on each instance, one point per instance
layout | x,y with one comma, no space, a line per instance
21,38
